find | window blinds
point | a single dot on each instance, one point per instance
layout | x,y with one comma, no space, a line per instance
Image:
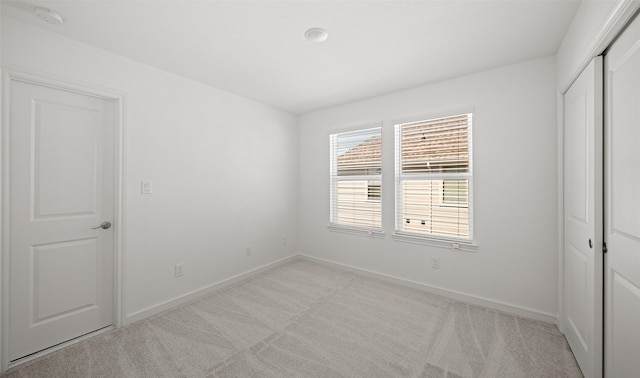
433,172
436,146
356,173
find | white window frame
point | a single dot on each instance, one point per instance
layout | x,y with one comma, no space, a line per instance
456,243
334,179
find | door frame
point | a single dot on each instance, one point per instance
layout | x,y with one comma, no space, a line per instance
12,74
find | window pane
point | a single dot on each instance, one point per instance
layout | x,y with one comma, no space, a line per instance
356,167
359,153
425,211
373,191
455,192
354,207
436,146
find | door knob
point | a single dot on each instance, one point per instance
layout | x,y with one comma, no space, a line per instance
590,244
105,226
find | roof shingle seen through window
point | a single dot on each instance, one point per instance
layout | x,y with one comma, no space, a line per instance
362,159
439,145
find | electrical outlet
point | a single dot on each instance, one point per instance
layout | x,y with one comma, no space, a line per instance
435,262
179,270
249,251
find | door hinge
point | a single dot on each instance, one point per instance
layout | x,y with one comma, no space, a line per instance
604,247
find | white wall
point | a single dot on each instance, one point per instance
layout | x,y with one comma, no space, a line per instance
224,168
515,223
582,34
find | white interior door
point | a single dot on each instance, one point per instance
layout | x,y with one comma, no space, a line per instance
62,186
582,252
622,205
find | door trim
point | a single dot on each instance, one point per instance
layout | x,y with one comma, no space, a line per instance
622,12
12,74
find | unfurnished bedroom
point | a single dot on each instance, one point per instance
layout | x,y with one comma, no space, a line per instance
430,188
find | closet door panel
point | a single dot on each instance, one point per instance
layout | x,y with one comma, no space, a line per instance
622,205
582,252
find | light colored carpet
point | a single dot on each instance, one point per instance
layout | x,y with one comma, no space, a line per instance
304,319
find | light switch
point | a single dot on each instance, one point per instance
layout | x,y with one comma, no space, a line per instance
146,187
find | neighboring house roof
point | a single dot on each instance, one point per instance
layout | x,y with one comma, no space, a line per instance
436,145
427,146
362,159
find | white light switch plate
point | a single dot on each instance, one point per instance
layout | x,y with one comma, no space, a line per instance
146,187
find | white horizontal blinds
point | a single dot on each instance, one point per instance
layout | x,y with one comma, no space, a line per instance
359,153
434,177
427,211
437,145
356,168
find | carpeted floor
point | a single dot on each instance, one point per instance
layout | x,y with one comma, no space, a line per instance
304,319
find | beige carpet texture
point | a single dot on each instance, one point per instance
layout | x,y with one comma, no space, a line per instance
304,319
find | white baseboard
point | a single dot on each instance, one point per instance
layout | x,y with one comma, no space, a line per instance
456,295
199,293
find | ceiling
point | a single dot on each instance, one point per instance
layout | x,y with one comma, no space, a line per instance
257,49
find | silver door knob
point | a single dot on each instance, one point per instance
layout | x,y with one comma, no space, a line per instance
105,226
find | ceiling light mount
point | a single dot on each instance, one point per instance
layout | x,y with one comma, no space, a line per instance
316,35
48,15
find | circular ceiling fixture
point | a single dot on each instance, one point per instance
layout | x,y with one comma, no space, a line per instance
48,15
317,35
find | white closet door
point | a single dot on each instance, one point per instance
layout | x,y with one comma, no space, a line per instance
582,252
622,205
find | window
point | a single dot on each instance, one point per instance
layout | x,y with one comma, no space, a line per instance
433,178
455,193
373,191
356,174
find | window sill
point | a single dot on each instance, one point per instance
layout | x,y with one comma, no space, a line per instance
356,231
466,246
